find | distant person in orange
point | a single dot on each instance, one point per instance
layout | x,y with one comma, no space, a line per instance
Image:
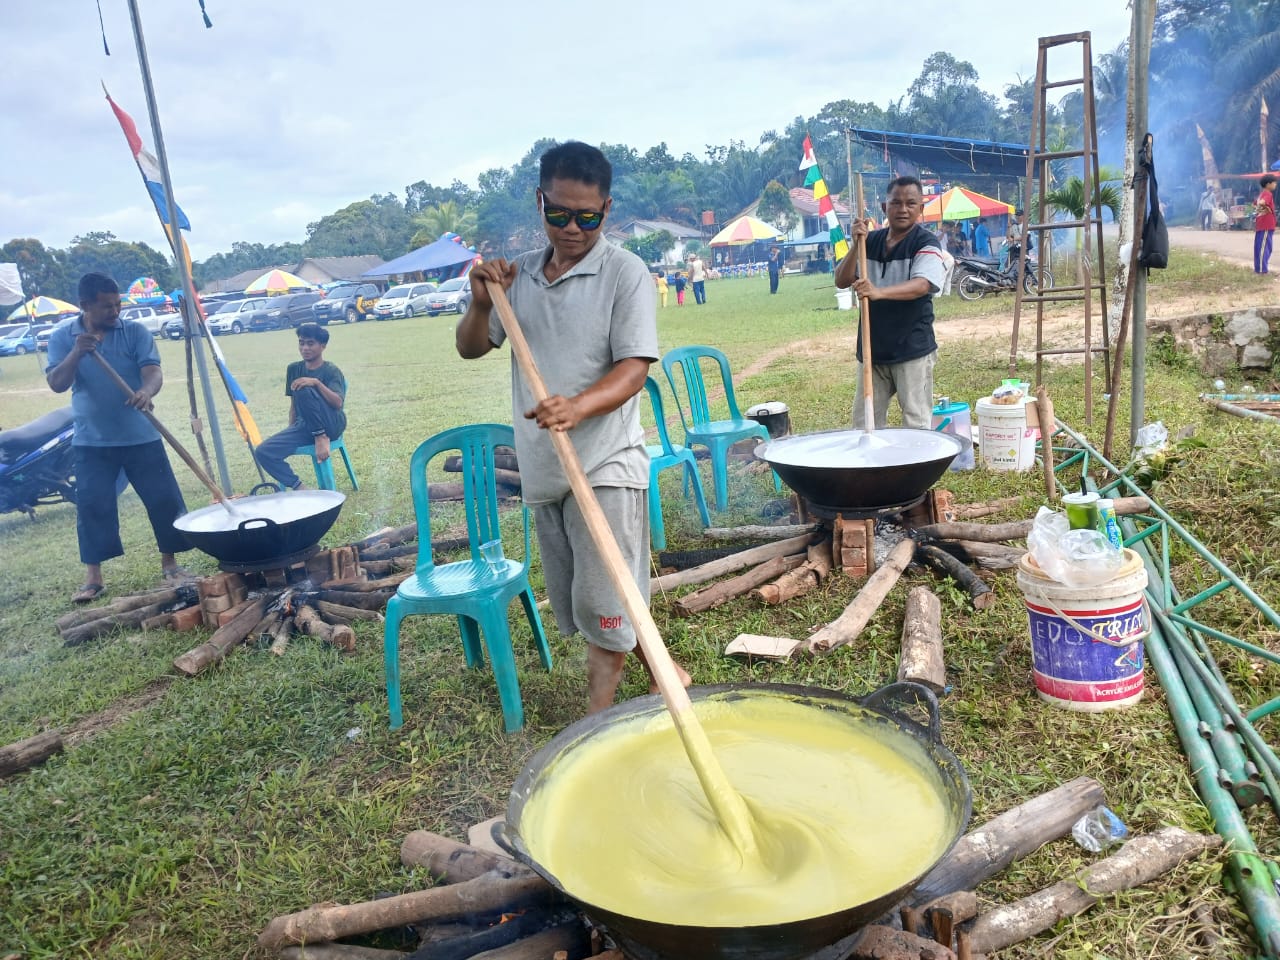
1264,223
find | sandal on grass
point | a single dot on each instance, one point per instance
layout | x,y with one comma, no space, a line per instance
87,593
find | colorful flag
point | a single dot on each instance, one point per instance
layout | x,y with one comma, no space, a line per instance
148,166
826,210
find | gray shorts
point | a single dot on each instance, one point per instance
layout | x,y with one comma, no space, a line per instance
581,593
912,382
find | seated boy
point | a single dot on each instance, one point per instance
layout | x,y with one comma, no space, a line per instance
316,390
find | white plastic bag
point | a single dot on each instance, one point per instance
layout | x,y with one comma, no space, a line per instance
1078,558
1151,439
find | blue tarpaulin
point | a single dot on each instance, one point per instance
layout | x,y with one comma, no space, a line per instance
821,237
907,153
434,256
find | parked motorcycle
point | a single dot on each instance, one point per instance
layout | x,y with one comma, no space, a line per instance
37,464
975,278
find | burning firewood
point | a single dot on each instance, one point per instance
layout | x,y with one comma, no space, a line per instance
884,943
980,594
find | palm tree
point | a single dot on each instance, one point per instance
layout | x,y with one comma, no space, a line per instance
1069,197
446,217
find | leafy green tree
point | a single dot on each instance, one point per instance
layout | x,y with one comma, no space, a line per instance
418,196
124,262
776,208
445,217
42,270
655,193
378,225
652,247
946,101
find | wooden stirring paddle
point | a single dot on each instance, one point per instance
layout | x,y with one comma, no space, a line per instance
864,306
173,441
727,804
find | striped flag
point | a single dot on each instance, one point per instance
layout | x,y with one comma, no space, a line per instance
826,209
148,166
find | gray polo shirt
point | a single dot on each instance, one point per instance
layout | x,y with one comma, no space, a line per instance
103,417
602,311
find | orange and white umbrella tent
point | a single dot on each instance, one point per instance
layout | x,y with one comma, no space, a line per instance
278,281
961,204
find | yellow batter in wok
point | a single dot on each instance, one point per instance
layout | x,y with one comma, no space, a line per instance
841,818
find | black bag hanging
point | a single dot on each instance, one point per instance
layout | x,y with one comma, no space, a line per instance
1154,254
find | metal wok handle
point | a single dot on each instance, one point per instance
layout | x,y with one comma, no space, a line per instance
255,522
888,697
499,833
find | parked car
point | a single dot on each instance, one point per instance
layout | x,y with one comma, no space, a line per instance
231,317
452,295
22,341
406,300
348,302
44,333
280,313
149,317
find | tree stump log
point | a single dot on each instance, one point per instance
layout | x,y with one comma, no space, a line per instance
454,862
921,658
308,620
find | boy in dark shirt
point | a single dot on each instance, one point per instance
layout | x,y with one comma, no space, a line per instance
316,390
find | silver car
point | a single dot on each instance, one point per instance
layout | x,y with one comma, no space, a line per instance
452,296
406,300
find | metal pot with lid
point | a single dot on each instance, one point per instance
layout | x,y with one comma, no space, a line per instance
773,415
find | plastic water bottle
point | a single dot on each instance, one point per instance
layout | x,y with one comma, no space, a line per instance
1220,385
1099,829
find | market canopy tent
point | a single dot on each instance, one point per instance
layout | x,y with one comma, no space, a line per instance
961,204
744,230
822,236
906,153
441,253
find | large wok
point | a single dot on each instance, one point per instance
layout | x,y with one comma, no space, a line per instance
260,529
853,470
653,940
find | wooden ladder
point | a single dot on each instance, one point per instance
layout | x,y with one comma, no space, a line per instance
1090,281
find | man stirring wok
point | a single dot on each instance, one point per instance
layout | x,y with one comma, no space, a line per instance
905,268
112,435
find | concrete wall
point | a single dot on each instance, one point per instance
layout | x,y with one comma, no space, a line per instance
1226,343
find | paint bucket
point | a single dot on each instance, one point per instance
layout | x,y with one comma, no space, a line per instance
1086,642
844,299
1006,436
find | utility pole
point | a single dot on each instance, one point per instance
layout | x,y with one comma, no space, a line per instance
1142,24
175,237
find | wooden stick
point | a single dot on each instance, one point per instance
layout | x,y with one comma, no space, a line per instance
735,561
123,605
856,615
995,551
344,613
224,638
75,636
1139,861
985,851
369,586
280,633
757,531
921,658
864,306
339,951
173,441
24,754
971,511
729,807
309,621
984,532
1044,410
484,894
713,596
452,861
798,582
570,937
980,594
365,600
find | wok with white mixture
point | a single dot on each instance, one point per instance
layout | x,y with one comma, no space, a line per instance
852,470
260,529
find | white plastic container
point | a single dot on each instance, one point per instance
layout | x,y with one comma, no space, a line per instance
844,299
1006,435
953,418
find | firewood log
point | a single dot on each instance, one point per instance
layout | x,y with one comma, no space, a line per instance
1048,426
735,561
308,620
485,894
569,937
879,942
985,532
123,605
921,657
75,636
25,754
713,596
341,613
339,951
983,852
972,511
223,639
452,861
472,943
858,613
502,461
388,537
455,491
373,600
798,582
1139,861
980,594
280,634
370,586
755,531
385,568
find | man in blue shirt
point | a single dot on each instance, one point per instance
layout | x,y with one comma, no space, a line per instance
112,435
982,240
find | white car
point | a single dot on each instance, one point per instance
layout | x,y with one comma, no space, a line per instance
231,317
149,317
406,300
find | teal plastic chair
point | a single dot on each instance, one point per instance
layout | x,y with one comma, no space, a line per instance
468,589
699,429
662,456
325,478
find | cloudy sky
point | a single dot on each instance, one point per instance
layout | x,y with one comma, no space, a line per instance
289,109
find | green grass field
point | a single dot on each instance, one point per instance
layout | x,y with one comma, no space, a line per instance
186,813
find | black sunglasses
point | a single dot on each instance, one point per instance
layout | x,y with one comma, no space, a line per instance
559,217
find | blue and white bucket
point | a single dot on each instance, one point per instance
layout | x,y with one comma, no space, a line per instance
1086,642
